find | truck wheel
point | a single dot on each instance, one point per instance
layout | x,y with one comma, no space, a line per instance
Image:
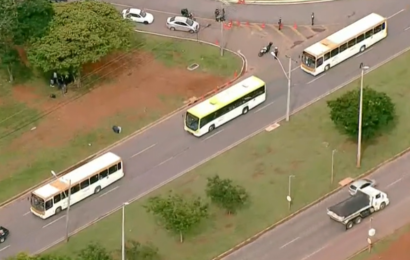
349,225
382,206
358,220
2,240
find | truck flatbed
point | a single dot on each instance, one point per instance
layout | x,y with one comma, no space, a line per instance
351,205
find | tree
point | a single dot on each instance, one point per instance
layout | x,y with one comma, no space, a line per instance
177,214
94,251
137,251
225,194
80,32
378,111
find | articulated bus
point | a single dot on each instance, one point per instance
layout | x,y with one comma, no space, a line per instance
344,44
85,181
230,103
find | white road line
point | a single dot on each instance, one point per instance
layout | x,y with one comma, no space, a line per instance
313,80
4,248
295,69
393,15
25,214
212,135
52,222
290,242
408,28
167,160
146,149
314,253
263,107
393,183
113,189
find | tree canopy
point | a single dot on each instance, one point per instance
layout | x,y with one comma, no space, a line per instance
136,251
94,251
178,214
80,32
225,194
378,111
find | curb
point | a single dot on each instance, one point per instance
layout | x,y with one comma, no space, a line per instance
139,131
277,2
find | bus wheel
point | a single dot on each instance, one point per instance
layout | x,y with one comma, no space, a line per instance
58,210
363,48
211,128
245,110
327,67
97,190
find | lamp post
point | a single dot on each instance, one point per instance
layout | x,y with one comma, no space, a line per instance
67,215
288,77
333,167
359,136
123,231
289,197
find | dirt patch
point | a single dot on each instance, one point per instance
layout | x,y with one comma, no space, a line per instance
398,250
133,84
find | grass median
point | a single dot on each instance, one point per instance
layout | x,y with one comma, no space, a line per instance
34,141
302,148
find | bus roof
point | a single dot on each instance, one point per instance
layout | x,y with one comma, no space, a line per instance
225,97
345,34
82,172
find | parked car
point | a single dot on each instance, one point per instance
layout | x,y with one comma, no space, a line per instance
360,184
137,15
4,232
180,23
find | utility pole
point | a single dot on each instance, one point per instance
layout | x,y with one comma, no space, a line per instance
221,43
123,231
359,136
67,216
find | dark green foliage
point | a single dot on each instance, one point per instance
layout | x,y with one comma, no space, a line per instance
378,112
225,194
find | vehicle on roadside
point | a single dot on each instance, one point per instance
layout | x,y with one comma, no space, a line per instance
4,233
137,15
349,41
360,184
78,184
180,23
354,209
223,107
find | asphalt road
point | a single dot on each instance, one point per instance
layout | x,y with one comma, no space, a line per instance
165,152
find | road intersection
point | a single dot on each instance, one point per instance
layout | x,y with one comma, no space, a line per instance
165,151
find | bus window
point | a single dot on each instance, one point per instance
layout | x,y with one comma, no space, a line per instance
334,52
49,204
94,179
343,47
113,169
75,189
103,174
384,25
308,60
360,38
369,34
327,56
85,184
351,43
57,198
378,28
192,122
320,61
119,165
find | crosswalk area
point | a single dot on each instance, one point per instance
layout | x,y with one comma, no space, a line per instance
289,36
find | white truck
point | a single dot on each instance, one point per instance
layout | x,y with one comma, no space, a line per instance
352,210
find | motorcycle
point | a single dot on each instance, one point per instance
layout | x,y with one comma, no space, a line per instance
187,14
265,50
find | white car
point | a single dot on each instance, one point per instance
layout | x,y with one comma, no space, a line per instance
361,184
180,23
137,15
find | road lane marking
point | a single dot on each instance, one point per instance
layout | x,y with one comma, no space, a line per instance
314,253
113,189
146,149
294,69
52,222
393,15
265,106
290,242
4,248
25,214
408,28
313,80
167,160
212,135
393,183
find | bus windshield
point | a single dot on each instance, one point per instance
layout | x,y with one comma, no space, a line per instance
308,60
191,121
37,202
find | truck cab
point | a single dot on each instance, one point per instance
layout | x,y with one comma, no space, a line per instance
354,209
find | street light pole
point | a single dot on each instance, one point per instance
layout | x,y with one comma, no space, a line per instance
222,33
67,216
359,136
123,231
333,167
290,190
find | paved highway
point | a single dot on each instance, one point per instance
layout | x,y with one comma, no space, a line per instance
165,152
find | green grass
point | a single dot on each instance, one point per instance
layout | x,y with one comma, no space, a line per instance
31,167
181,53
302,148
382,245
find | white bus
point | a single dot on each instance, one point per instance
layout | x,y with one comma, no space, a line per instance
86,180
232,102
344,44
